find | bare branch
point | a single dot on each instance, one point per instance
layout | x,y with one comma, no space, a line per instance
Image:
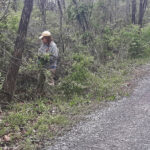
5,12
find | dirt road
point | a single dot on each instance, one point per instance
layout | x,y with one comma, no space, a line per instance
123,125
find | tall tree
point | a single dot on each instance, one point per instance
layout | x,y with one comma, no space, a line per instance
110,11
78,15
142,9
16,59
115,10
42,6
61,22
14,5
134,11
81,16
63,3
128,11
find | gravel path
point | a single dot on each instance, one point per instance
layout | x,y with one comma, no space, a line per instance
124,125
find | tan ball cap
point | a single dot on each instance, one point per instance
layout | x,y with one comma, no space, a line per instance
45,33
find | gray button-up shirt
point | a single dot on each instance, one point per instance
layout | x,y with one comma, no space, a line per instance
52,50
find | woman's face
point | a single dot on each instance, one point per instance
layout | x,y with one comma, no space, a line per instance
44,40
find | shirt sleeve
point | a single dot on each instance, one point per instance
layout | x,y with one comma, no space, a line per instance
54,50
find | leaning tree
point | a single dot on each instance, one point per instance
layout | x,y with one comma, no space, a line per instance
16,59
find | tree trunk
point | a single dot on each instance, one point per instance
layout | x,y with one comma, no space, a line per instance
110,11
128,11
142,9
79,19
42,6
115,11
61,23
64,4
14,5
16,59
134,11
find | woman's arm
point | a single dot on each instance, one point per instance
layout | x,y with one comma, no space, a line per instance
54,50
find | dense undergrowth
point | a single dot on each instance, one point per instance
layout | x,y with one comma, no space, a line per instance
27,124
83,80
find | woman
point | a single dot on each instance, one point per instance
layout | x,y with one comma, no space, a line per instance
48,49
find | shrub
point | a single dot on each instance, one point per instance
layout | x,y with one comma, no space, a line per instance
145,36
127,42
75,82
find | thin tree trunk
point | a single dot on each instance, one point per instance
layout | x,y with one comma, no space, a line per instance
134,11
64,3
128,11
42,6
115,11
142,9
14,6
61,23
79,17
5,12
85,21
110,11
16,59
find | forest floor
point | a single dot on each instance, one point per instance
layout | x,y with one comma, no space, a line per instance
25,125
122,125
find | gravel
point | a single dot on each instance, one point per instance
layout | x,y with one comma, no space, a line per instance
123,125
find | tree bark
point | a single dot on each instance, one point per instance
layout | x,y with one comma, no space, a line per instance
42,6
110,11
61,23
128,11
115,11
64,3
79,19
134,11
14,5
16,59
142,9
